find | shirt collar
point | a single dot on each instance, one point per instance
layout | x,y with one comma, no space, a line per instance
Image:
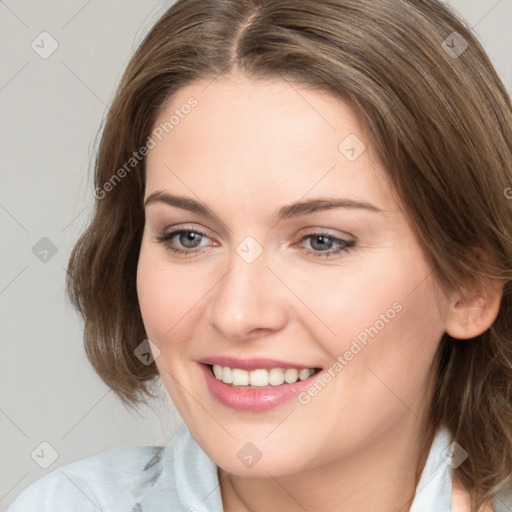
434,489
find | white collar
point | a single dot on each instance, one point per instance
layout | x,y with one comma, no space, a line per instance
434,490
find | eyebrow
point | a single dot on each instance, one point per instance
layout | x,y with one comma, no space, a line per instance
286,212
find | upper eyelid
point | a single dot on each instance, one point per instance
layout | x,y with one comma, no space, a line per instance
310,230
347,238
203,232
176,230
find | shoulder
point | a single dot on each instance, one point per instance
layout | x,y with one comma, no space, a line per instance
179,476
88,484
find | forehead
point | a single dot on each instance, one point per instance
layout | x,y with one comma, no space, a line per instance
245,136
261,111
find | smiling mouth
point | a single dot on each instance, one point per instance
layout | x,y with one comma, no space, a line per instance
260,378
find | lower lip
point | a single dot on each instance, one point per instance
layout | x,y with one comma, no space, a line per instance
254,400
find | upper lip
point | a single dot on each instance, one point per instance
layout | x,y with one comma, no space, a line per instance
252,363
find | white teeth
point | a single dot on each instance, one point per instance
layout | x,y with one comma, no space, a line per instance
276,376
291,375
227,374
304,374
260,377
217,371
240,377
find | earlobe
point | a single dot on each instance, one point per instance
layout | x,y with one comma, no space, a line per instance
470,318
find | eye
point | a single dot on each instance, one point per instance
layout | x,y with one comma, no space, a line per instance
323,245
188,239
324,242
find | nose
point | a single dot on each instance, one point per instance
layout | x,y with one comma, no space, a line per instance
249,301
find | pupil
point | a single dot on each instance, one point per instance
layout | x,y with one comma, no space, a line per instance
324,242
191,237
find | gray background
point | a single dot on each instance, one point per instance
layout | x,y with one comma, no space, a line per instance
51,109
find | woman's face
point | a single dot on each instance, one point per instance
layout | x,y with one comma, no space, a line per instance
272,275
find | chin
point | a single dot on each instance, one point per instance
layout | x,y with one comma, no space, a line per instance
258,459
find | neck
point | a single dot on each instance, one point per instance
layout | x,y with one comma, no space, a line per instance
383,478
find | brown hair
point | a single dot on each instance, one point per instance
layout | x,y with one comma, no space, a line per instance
440,120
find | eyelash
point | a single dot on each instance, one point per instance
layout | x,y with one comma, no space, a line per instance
345,245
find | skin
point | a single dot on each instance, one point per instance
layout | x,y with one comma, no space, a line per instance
247,149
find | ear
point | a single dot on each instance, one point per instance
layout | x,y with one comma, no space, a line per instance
473,311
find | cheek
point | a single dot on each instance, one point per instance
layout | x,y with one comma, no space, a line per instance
387,328
165,301
156,293
383,313
169,296
394,327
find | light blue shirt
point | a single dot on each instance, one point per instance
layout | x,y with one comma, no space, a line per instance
182,478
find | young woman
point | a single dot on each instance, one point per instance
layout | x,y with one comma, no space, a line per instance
303,227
